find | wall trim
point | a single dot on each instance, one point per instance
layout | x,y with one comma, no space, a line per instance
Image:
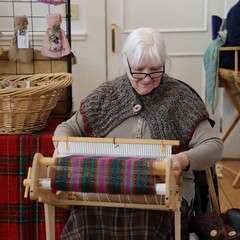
6,38
182,54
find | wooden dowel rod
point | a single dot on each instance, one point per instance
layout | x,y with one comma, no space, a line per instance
229,169
158,166
46,161
115,140
26,182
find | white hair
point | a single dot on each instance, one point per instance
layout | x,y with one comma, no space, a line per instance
145,44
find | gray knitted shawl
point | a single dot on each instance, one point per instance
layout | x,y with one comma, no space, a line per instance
172,110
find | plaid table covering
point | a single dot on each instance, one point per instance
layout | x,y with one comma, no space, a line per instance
22,218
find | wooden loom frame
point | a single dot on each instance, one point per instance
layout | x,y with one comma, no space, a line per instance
42,166
230,80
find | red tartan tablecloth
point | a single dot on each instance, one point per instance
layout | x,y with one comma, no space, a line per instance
22,218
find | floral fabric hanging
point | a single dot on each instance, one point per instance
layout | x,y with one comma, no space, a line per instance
55,42
53,2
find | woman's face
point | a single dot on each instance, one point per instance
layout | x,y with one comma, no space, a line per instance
145,77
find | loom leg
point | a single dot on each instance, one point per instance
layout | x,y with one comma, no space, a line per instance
236,182
49,221
177,216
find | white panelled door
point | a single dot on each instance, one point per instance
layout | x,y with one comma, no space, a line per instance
183,23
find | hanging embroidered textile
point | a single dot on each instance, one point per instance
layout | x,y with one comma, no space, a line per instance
55,43
114,175
19,49
53,2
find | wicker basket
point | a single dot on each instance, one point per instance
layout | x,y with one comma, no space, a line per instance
26,110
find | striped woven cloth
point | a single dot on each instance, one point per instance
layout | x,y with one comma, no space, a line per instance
101,174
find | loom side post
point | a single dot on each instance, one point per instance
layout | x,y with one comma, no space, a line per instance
49,211
177,219
167,181
31,182
173,203
40,168
35,175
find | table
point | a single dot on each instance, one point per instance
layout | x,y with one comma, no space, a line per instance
20,218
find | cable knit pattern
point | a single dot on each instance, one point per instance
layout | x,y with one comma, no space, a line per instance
172,110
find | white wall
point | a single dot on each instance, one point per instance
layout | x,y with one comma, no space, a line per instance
88,44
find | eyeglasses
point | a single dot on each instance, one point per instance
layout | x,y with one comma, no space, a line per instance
139,75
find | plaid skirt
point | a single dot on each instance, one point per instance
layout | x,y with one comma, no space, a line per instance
102,223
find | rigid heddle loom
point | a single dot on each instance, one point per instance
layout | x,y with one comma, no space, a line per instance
109,172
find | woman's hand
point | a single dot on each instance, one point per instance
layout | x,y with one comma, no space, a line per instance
180,162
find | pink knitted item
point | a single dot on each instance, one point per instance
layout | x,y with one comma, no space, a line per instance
53,2
55,43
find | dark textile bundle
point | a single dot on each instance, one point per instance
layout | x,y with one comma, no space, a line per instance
233,218
213,226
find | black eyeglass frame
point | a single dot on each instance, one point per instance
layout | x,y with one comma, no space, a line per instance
133,74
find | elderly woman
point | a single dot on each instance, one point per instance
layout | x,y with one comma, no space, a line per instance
143,103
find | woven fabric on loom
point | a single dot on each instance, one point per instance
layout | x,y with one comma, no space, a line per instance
98,174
